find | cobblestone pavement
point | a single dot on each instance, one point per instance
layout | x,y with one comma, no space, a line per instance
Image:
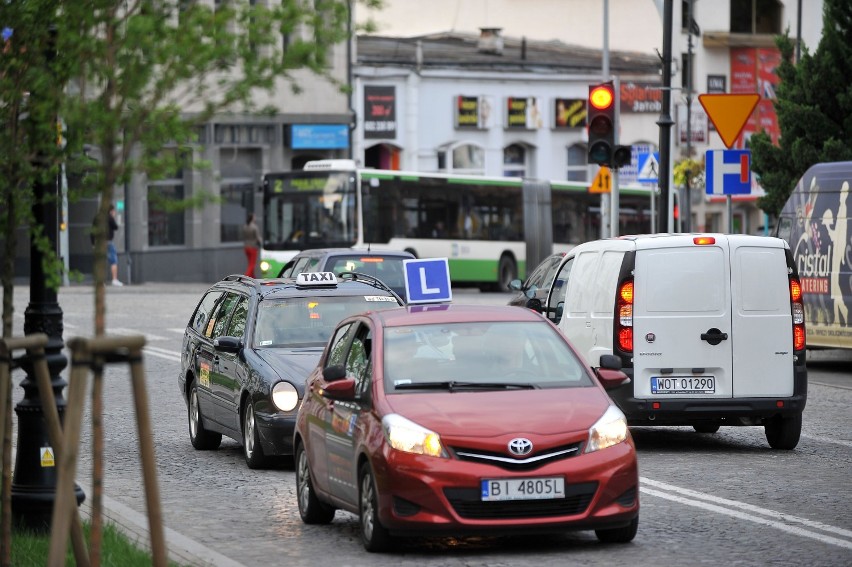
706,499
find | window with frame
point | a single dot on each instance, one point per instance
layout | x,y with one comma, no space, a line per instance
515,161
463,158
756,16
337,352
237,326
577,160
219,321
204,309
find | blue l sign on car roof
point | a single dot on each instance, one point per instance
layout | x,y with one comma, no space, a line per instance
427,280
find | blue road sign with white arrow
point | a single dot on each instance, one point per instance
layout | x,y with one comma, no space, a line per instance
427,280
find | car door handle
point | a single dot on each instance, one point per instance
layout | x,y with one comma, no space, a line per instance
714,336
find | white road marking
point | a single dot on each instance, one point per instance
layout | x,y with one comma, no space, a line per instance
123,331
162,353
751,513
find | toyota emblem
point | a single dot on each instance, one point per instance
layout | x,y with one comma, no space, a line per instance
520,446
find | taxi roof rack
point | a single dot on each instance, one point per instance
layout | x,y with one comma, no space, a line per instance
370,280
242,278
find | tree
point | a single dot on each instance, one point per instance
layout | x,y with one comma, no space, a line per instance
814,108
130,78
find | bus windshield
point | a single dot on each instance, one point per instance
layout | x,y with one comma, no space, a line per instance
309,210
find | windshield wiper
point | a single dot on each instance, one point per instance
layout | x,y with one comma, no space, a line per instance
452,385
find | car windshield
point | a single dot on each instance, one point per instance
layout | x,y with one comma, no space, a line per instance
387,269
478,356
309,321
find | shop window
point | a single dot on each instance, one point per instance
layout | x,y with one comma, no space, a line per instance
577,160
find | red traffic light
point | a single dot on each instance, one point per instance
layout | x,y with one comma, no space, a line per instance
601,97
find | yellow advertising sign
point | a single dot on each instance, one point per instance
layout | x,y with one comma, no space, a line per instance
602,182
729,113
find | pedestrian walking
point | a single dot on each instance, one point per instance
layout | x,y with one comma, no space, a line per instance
251,241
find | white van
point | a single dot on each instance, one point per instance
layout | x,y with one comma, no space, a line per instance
710,328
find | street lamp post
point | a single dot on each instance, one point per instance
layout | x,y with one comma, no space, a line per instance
34,481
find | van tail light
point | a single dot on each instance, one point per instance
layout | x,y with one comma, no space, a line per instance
798,311
624,316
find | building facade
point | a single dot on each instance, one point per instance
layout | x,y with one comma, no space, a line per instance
728,48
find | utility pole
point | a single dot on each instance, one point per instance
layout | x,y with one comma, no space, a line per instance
665,121
606,201
686,205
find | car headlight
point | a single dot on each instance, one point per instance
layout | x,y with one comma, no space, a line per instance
405,435
609,430
285,396
264,266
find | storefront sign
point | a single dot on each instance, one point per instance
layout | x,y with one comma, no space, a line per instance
522,113
569,113
641,98
319,136
472,112
717,84
379,112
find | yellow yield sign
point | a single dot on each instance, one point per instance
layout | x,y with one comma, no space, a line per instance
729,113
602,182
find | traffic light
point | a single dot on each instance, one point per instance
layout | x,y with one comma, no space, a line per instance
601,116
601,123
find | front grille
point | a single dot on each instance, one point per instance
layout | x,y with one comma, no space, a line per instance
510,463
467,504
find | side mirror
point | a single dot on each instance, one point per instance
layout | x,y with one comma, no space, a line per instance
227,344
610,361
611,379
343,389
515,285
535,305
334,373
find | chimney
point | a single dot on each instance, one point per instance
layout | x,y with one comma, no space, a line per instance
490,41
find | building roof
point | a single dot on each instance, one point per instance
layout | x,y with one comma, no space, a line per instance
455,50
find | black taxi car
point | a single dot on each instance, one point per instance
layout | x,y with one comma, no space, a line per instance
249,347
387,265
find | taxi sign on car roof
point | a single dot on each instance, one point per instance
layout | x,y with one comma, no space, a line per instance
316,279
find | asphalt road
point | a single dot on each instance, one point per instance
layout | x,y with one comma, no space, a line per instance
724,498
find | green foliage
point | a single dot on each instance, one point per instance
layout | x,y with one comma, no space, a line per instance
32,550
688,169
814,108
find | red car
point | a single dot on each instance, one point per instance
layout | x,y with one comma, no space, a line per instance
460,420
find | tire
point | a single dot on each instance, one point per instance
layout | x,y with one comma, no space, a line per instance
506,272
783,432
252,451
200,438
374,536
706,427
619,535
311,510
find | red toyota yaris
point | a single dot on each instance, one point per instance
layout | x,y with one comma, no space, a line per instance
457,420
